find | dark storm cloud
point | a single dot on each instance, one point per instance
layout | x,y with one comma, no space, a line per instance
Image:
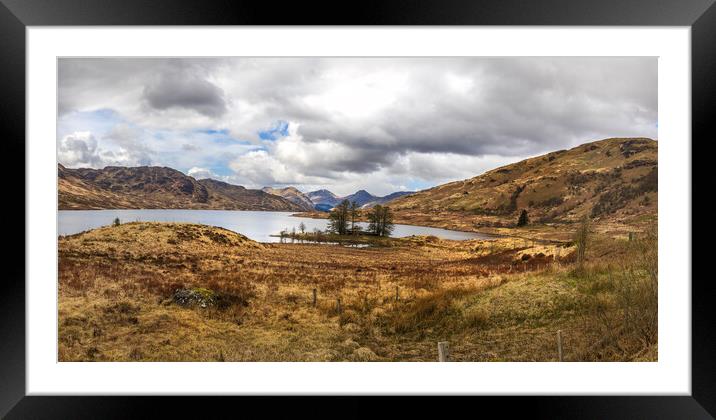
182,89
86,83
511,106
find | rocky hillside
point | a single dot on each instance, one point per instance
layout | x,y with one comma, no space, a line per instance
614,179
236,197
156,188
291,194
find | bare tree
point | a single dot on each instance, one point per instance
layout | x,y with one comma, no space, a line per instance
354,215
581,239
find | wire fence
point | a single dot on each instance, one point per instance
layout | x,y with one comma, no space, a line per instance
566,344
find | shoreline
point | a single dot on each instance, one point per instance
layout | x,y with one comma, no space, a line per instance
469,235
493,232
559,233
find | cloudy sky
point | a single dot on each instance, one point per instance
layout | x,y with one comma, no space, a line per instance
380,124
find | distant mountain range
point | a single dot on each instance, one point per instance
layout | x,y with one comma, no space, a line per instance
149,187
324,200
361,197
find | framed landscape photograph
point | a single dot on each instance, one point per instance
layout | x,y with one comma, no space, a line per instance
333,209
358,210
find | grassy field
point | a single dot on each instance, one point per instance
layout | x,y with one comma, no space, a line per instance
182,292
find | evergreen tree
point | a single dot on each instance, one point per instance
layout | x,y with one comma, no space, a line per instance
387,225
524,219
380,221
339,218
374,220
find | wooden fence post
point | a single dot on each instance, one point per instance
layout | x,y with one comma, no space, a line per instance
314,297
443,351
338,305
559,344
397,294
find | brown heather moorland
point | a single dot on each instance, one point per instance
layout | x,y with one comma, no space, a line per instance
183,292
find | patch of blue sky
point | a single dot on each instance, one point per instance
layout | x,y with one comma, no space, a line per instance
219,136
223,131
259,148
99,122
416,185
280,129
185,150
221,169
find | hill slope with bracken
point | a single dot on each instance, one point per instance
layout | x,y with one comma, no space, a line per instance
156,188
612,179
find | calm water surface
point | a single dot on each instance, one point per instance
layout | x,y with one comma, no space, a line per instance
257,225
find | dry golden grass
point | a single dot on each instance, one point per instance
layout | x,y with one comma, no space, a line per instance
492,300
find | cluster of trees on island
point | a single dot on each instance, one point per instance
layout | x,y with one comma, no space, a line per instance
344,218
343,221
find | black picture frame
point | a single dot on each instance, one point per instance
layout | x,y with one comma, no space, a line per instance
16,15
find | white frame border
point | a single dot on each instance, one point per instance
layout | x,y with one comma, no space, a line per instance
670,375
